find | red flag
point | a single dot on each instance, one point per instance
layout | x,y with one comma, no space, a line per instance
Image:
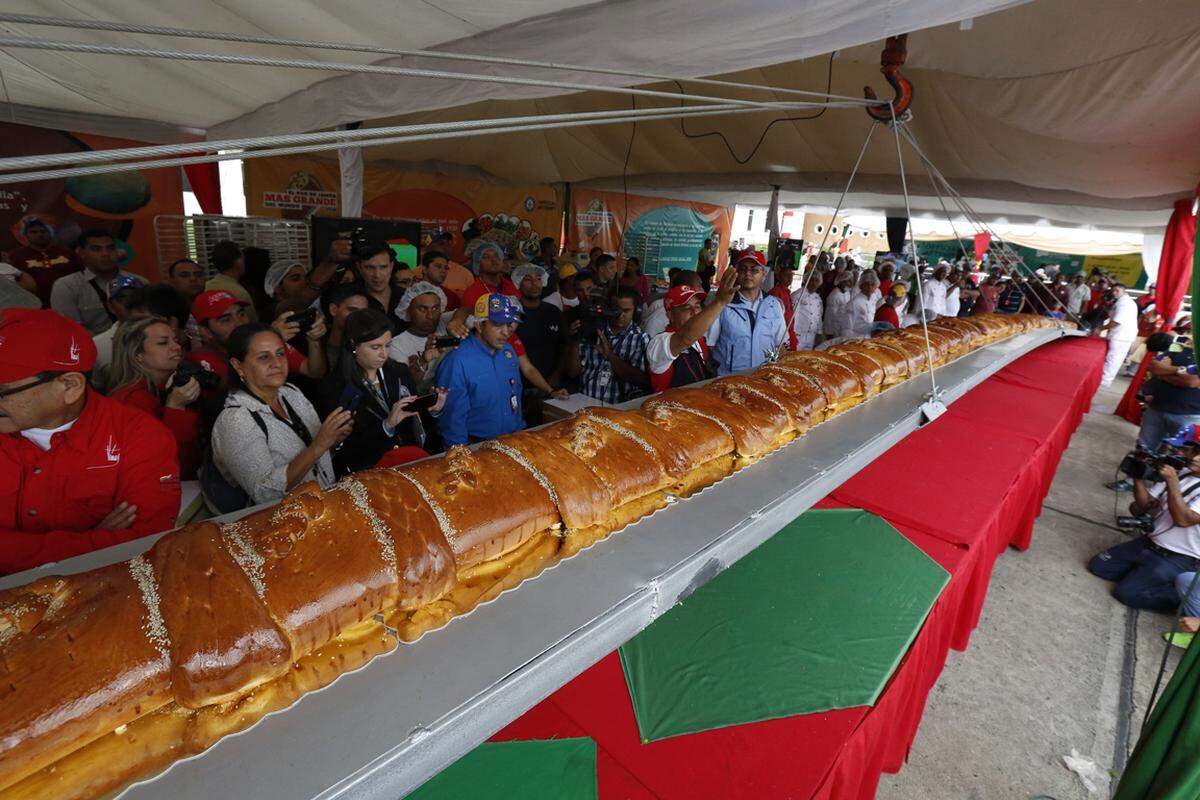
982,240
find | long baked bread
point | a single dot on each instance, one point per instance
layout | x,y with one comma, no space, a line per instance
111,674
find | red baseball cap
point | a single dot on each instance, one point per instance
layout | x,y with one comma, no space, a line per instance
214,303
750,254
33,341
679,296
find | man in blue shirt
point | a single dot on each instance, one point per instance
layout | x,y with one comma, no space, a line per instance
483,376
752,329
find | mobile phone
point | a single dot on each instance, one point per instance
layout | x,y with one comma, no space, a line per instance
445,342
353,403
423,402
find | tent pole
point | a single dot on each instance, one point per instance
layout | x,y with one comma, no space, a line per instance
664,114
189,148
59,46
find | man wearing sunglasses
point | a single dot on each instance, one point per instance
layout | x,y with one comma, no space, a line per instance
77,471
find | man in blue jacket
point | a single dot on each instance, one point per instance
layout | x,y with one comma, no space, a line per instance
483,376
752,328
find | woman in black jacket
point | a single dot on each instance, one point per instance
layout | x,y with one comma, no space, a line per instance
381,393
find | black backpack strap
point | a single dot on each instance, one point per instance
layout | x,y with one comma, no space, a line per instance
262,424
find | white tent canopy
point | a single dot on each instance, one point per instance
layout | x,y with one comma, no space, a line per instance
1075,111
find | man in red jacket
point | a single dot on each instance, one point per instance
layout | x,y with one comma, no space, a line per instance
78,471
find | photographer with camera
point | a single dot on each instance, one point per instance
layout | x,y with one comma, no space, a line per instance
1145,569
608,350
1172,392
146,374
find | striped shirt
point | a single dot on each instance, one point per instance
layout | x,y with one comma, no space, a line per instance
598,380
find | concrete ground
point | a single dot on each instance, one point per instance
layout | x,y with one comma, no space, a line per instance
1053,656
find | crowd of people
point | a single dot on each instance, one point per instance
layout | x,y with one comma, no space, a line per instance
114,389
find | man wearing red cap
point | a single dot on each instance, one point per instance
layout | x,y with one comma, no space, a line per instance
219,313
78,471
752,326
679,355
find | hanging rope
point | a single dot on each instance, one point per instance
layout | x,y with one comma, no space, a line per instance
804,273
913,240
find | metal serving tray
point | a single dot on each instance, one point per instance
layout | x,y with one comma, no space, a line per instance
382,731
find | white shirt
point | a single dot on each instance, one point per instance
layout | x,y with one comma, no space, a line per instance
807,313
953,302
860,315
658,352
41,436
654,318
1078,296
933,292
1125,314
836,305
555,300
1166,533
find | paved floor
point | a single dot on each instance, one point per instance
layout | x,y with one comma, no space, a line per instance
1044,671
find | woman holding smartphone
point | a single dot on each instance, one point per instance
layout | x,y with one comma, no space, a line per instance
268,438
381,393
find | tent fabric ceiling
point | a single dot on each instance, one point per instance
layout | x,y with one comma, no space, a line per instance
1071,110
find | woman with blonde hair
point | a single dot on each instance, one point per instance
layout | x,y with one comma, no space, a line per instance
145,357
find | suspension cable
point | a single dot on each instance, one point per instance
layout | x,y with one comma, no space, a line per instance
980,223
158,30
913,240
804,274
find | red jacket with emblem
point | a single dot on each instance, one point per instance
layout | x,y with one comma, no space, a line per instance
51,501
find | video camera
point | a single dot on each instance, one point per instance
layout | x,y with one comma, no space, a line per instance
188,370
1143,465
596,311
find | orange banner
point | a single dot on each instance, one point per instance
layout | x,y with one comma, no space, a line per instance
663,233
123,203
516,217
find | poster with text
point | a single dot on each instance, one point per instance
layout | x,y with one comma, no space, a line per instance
123,203
662,233
516,217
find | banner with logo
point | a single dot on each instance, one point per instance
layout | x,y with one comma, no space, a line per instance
516,217
123,203
663,233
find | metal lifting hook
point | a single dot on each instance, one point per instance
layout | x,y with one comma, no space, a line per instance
895,51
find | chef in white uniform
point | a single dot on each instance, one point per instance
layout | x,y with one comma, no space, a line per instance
1121,330
808,312
836,305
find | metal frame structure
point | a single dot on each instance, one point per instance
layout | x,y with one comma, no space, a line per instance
193,237
382,731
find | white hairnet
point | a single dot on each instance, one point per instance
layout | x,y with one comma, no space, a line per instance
412,292
275,275
519,273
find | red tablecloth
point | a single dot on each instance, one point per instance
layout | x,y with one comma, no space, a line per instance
985,467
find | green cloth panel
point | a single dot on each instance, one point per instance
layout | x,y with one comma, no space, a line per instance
1164,764
817,618
559,768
